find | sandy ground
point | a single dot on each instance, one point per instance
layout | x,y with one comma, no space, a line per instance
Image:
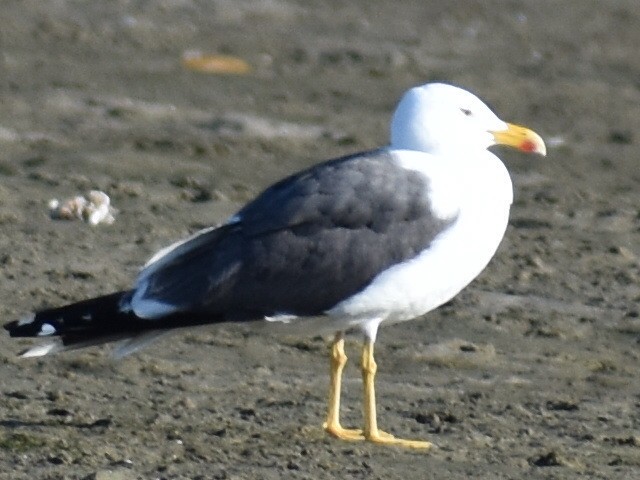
531,373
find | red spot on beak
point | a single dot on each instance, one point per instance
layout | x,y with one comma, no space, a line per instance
528,146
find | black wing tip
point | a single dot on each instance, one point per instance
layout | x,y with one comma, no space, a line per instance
25,327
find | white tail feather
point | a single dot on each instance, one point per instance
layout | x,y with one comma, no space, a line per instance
27,319
133,344
41,350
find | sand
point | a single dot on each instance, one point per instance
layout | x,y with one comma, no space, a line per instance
530,373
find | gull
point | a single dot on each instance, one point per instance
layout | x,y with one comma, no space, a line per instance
376,237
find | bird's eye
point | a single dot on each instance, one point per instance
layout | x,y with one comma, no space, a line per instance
466,111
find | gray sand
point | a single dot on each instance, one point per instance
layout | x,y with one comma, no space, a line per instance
530,373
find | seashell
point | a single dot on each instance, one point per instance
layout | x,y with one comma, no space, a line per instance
94,209
215,64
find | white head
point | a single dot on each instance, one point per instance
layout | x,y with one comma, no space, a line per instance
439,118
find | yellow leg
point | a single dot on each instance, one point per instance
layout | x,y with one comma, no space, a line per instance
338,361
371,432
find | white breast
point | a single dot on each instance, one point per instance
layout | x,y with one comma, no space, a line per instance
480,194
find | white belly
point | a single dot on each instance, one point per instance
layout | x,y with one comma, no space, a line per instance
435,276
453,259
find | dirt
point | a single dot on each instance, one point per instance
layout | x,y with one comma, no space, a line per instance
532,372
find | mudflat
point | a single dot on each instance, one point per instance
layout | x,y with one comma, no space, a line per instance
532,372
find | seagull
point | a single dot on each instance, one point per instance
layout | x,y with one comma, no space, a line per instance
377,237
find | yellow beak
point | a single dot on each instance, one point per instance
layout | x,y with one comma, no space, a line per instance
521,138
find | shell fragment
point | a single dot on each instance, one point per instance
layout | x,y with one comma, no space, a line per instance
94,209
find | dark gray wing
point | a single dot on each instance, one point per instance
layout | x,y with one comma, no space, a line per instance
304,244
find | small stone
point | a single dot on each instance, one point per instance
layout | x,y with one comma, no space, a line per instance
119,474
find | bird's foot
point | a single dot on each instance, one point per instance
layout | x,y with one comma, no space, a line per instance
384,438
380,437
336,430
